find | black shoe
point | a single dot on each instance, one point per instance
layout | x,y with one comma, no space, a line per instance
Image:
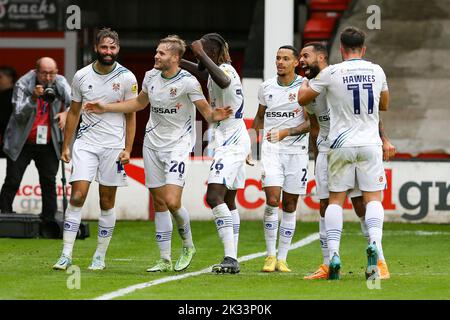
228,265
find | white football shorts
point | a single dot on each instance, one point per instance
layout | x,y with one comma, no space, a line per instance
321,176
288,171
90,161
228,166
356,165
163,168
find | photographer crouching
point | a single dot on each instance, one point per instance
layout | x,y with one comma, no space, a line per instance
40,101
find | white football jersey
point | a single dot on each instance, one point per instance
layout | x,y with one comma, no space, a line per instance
353,89
231,130
107,129
320,109
282,111
171,126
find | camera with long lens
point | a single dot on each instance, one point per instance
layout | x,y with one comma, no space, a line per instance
49,94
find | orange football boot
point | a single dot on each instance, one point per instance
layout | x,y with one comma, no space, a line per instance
321,273
383,269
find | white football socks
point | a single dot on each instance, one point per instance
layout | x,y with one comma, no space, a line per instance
333,224
72,222
364,230
184,227
106,224
374,221
271,229
236,227
287,230
323,241
163,226
224,226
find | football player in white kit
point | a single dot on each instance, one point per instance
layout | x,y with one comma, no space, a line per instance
173,95
355,91
313,59
284,159
103,144
231,142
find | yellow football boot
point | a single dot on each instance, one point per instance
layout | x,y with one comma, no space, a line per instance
269,264
282,266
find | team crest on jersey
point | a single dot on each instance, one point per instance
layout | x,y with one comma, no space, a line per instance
116,87
297,110
173,92
292,97
381,179
134,88
178,106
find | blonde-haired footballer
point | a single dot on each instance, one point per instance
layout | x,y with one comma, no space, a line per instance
173,95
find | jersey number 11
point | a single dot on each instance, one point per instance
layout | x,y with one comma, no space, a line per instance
356,99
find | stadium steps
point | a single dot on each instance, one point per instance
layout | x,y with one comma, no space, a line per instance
413,47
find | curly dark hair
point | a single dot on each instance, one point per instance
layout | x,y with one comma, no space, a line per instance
217,40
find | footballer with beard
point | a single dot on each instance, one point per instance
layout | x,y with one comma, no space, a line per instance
173,96
313,59
102,145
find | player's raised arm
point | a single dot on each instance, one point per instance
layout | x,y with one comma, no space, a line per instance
218,76
194,68
210,115
132,105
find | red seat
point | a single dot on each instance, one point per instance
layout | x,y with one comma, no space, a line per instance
328,5
325,15
319,29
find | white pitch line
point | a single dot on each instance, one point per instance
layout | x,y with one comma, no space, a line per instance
122,292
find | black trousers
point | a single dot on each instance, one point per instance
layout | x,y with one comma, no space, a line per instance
47,164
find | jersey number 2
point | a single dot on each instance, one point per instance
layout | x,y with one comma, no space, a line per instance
356,99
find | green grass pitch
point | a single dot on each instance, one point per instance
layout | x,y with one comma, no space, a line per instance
417,255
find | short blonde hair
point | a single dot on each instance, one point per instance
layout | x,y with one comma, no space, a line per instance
175,44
